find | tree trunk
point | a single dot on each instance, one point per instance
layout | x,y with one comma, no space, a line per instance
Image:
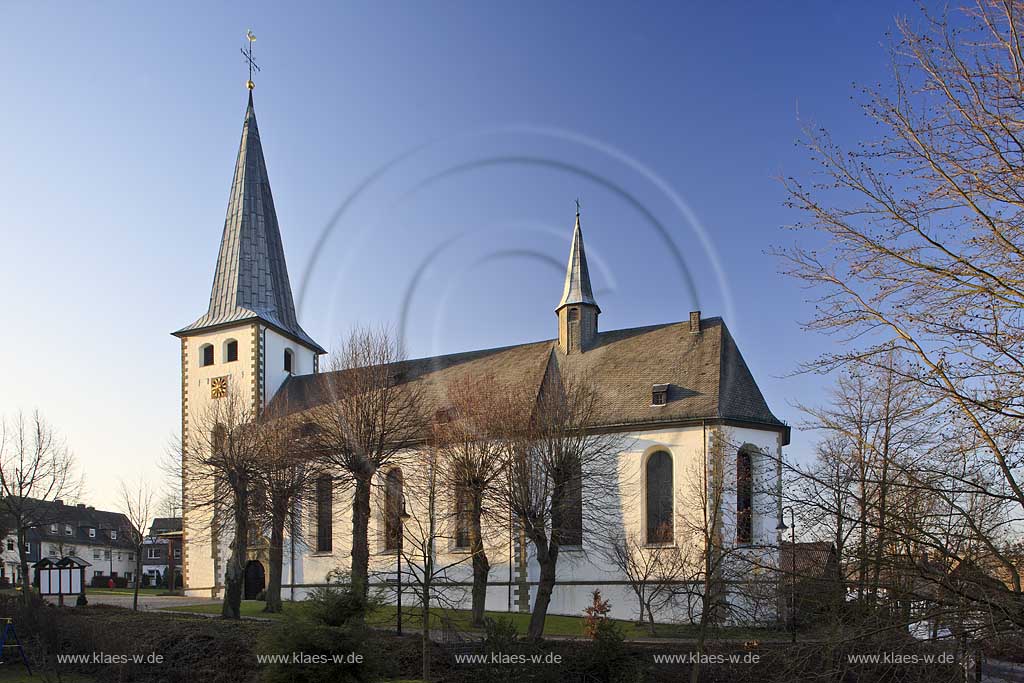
425,630
276,558
138,578
26,580
547,557
360,539
481,567
234,573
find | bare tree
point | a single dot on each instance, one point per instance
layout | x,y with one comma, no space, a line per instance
371,415
221,459
555,462
36,469
654,574
284,478
924,242
136,502
470,459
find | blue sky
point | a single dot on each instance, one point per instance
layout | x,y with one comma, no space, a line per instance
471,129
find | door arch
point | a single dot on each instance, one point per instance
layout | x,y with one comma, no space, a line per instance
255,579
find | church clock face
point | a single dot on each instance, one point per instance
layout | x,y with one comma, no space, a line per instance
219,387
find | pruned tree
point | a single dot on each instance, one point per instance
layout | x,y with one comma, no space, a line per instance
470,455
36,469
222,457
654,573
369,415
285,476
555,462
136,502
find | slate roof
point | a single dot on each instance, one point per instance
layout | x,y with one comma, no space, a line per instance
577,288
708,377
81,519
251,280
164,524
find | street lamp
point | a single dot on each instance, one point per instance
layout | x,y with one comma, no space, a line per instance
792,575
402,518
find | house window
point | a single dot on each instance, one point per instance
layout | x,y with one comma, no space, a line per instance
92,533
95,553
10,544
53,528
131,557
67,530
659,394
324,514
207,354
394,505
177,553
53,550
744,497
288,360
231,351
658,480
570,517
113,534
153,553
97,572
463,515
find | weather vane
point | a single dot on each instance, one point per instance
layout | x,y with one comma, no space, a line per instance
248,57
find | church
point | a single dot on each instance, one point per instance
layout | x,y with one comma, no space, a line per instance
675,393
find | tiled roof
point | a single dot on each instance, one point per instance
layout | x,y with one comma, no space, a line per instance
577,288
80,518
707,376
251,280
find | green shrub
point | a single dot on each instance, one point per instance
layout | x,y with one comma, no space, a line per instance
325,642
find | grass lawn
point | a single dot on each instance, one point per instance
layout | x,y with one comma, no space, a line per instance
554,625
124,591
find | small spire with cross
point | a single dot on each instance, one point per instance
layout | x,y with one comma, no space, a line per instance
577,207
251,37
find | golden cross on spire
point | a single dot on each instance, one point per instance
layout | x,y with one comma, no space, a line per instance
251,37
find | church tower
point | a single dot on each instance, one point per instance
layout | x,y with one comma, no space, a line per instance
249,340
577,312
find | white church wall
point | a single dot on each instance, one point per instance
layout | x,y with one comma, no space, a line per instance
274,345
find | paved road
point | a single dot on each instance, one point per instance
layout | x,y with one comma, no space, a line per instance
145,601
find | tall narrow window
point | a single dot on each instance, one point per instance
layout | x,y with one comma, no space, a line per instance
658,478
393,504
207,351
231,351
324,514
288,360
744,497
463,513
570,516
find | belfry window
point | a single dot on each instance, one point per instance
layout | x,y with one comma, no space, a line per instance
288,360
231,351
207,354
658,480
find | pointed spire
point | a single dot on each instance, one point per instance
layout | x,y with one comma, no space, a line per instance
251,280
577,276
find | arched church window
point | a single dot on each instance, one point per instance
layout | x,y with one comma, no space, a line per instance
658,480
324,514
394,503
288,360
570,515
744,497
206,351
231,351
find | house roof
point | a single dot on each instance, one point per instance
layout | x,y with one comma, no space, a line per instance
813,560
707,376
577,288
251,279
163,524
80,518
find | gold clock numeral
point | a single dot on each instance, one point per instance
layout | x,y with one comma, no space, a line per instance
219,387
